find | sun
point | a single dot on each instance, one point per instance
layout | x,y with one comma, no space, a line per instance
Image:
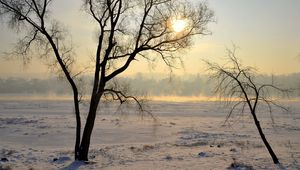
179,25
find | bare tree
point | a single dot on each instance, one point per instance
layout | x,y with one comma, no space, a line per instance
237,81
127,30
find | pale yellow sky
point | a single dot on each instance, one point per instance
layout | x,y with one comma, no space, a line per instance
267,32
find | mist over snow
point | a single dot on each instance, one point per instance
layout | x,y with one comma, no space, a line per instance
140,83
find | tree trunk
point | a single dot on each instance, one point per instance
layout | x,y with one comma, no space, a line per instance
262,135
78,125
89,125
74,88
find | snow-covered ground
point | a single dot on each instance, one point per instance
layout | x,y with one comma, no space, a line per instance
39,134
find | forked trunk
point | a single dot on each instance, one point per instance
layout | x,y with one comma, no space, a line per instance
89,125
262,135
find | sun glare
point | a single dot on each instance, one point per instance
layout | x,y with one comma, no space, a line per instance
179,25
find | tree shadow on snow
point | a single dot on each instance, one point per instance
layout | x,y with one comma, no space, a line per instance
74,165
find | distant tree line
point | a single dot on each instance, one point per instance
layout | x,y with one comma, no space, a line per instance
191,85
33,86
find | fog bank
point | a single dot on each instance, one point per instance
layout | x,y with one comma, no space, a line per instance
189,85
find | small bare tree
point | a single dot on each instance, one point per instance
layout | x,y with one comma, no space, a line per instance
237,81
127,30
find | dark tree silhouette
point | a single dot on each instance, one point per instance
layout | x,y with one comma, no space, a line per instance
127,30
237,81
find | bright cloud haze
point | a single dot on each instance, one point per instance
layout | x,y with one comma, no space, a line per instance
267,33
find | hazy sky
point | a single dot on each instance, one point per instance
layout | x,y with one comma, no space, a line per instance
267,32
